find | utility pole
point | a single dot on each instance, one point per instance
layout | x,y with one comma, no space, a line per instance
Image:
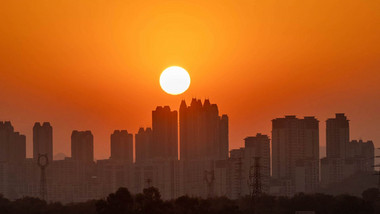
43,162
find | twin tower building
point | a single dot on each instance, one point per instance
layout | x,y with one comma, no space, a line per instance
82,143
203,134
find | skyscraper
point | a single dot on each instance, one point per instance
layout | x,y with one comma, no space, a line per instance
12,144
82,146
333,166
6,131
203,147
241,166
203,133
144,144
43,140
122,146
362,153
165,133
337,136
295,149
344,157
259,146
18,147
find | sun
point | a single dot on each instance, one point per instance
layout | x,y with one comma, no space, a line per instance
174,80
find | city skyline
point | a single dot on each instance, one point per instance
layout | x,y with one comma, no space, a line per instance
105,151
47,129
204,166
190,106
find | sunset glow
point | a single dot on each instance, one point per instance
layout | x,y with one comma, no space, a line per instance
99,63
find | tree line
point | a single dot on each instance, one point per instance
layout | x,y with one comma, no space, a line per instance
150,202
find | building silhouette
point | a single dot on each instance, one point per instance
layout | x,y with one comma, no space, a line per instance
144,144
82,146
203,133
12,144
122,146
241,165
259,147
362,152
204,170
42,140
165,133
344,158
203,148
337,136
295,150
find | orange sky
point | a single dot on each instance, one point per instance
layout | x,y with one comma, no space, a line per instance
96,64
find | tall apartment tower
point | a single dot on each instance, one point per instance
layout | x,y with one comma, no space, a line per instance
12,144
43,140
82,146
337,136
344,157
165,133
295,153
259,146
122,146
362,153
144,144
203,133
18,147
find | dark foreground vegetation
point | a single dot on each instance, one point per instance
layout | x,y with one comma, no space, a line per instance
150,202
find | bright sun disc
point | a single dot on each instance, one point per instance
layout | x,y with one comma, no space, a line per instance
174,80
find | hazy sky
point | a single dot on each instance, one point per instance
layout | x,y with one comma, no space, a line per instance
95,65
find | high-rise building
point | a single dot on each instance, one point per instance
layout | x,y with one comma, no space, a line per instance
82,146
295,150
363,152
259,147
144,144
43,140
203,148
18,149
359,157
241,166
337,136
165,133
203,133
122,146
12,144
339,162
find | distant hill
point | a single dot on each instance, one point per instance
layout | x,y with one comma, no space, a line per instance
59,156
